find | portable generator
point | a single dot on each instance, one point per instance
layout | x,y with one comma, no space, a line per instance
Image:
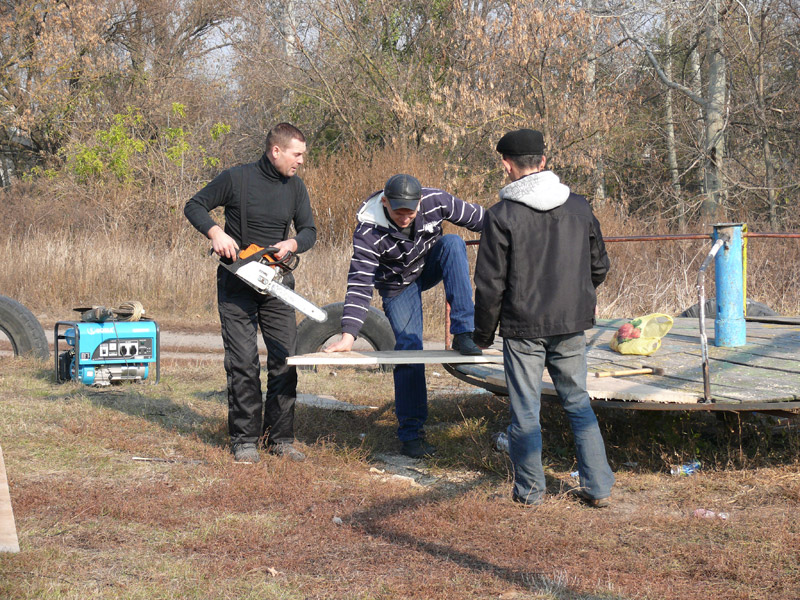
102,353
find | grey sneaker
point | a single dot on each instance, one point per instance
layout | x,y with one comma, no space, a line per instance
245,453
500,442
286,450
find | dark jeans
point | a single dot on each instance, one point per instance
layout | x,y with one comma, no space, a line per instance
242,311
565,359
445,261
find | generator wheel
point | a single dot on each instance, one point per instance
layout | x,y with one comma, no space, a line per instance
313,336
23,330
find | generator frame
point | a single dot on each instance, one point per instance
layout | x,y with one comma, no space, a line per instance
76,325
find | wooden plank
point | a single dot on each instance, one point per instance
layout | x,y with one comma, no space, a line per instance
773,320
392,357
772,365
8,531
613,388
610,388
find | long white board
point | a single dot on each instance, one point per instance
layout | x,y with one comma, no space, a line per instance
8,531
392,357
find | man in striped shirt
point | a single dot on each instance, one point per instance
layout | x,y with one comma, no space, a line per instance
400,250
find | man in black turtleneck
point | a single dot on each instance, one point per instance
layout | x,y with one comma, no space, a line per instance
274,199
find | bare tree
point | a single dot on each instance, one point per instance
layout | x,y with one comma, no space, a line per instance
672,158
713,100
765,64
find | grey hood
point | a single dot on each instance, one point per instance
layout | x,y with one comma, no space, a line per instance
540,191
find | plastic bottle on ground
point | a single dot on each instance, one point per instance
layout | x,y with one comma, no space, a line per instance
685,470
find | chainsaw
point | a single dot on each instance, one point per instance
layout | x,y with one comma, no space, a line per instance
261,270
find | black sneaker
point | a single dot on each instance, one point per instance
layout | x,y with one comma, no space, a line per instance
589,501
529,500
464,344
245,453
286,450
418,448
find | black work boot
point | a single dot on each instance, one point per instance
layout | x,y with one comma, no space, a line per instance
418,448
464,344
589,500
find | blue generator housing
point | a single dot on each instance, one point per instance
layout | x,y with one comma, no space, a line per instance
107,352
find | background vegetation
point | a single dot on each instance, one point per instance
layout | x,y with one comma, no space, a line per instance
668,116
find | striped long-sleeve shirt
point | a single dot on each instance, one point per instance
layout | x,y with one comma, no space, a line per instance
387,259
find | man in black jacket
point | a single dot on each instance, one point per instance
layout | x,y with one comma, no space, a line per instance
540,259
273,199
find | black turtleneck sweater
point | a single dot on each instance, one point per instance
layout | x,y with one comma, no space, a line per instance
274,202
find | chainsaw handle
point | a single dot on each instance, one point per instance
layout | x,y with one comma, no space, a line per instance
288,263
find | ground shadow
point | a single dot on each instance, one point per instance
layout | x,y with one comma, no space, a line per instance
143,400
370,522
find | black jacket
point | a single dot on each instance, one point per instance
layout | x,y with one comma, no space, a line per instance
540,259
274,203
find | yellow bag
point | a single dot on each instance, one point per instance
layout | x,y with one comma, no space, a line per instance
641,335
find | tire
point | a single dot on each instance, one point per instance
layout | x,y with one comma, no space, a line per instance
377,332
754,309
23,330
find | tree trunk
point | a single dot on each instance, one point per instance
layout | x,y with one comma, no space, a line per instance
598,175
769,163
672,159
288,33
695,84
714,149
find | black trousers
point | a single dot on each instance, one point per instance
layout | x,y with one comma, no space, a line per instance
242,312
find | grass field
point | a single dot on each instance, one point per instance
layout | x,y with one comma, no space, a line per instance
95,523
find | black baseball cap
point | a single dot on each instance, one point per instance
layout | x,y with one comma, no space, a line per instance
403,191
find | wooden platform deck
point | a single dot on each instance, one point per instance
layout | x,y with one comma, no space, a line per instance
762,375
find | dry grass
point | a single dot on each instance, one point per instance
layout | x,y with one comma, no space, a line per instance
69,245
51,274
93,523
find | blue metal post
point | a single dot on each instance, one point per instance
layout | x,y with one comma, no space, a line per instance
729,325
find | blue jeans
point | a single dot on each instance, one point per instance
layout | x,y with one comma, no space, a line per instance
565,359
445,261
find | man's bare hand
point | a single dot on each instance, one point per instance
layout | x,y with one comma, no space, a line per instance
285,246
343,345
222,243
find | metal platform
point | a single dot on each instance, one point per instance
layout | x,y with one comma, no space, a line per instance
762,375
